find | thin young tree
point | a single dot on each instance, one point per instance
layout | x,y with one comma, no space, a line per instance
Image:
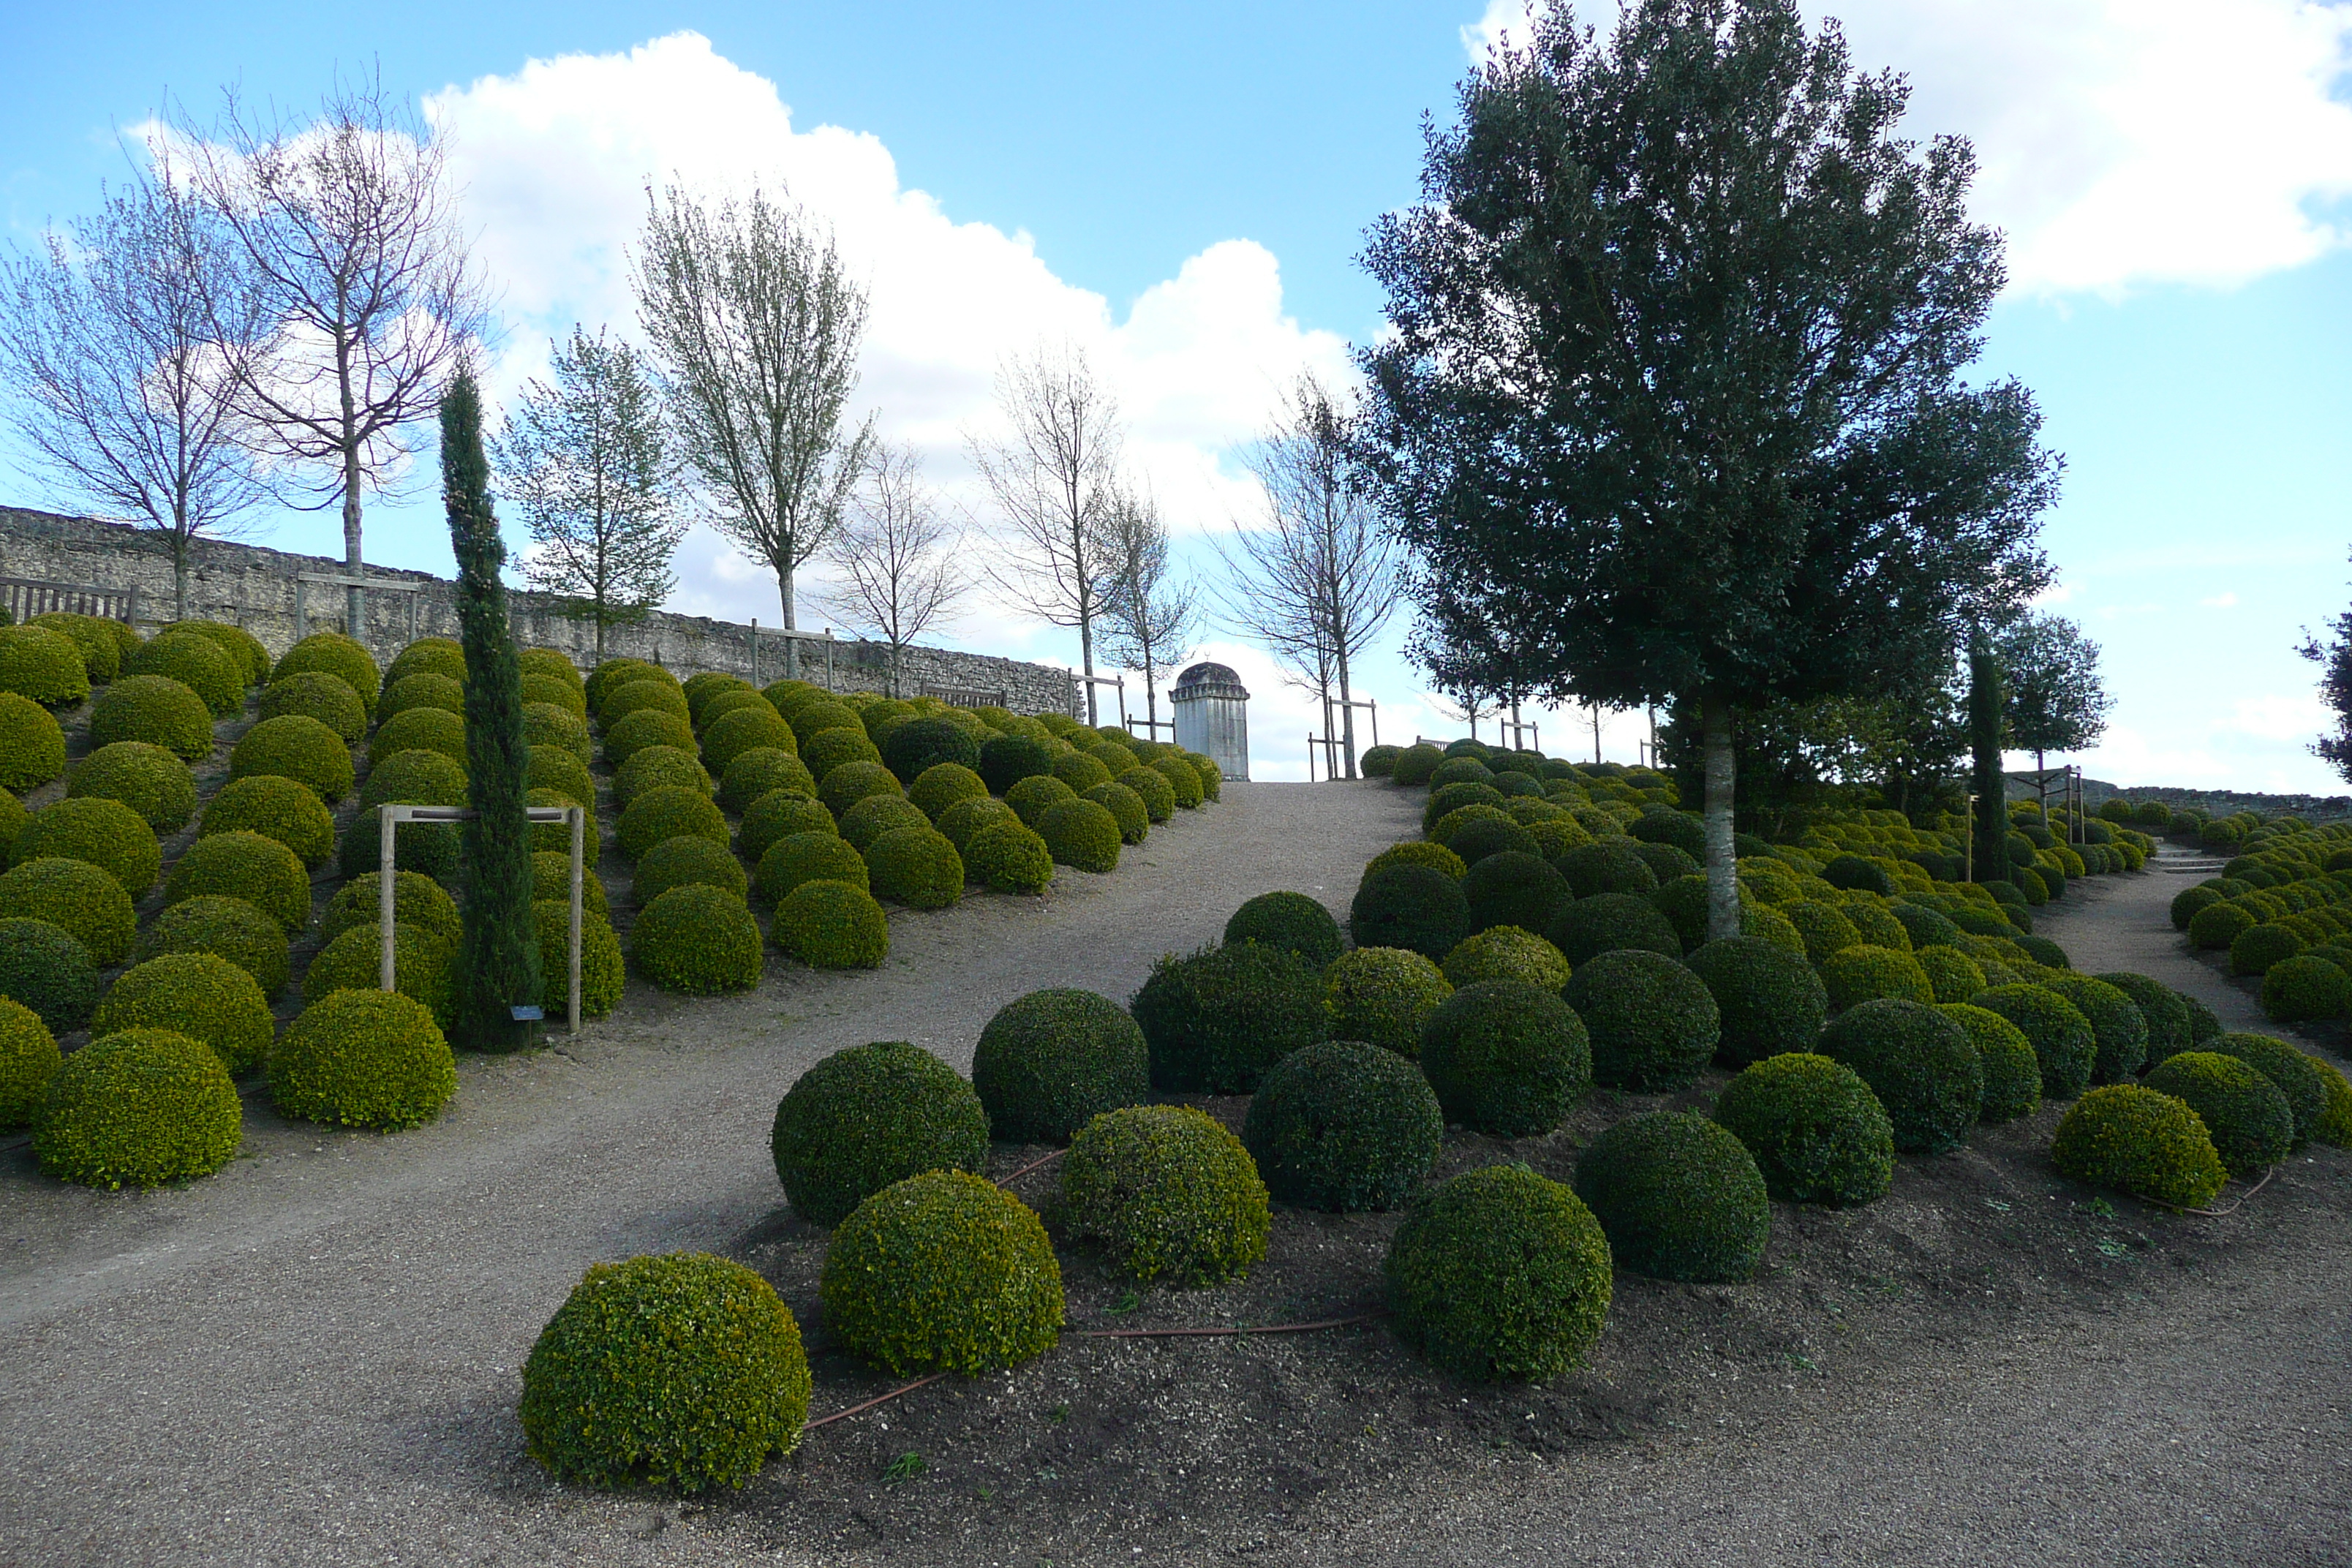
2055,702
1678,336
896,556
756,326
2332,651
1052,476
586,460
348,224
121,343
1149,619
1317,579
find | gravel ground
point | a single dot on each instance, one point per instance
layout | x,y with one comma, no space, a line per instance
312,1357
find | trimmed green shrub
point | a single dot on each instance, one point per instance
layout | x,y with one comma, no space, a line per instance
363,1058
1080,834
831,924
1877,927
199,994
2296,1073
710,703
1506,1058
1008,858
1383,995
1954,975
2303,989
1854,871
865,1118
1051,1061
642,697
148,779
1506,953
1411,906
1514,888
1216,1019
306,751
231,929
1607,865
420,689
1152,788
1477,838
2045,951
667,811
777,816
1292,920
761,771
1126,808
82,900
1767,1000
1919,1062
1678,1198
683,1369
747,729
687,861
1416,765
2250,1121
444,656
916,866
646,727
615,673
151,708
843,787
1500,1274
1588,926
2166,1015
2218,927
138,1108
423,965
101,654
2138,1140
556,769
557,836
425,778
1652,1023
1416,852
2188,903
1032,797
1343,1126
105,833
799,858
422,729
697,940
2063,1039
43,665
1164,1190
1006,760
1817,1133
1380,762
2203,1025
652,767
915,746
2013,1073
810,719
877,815
945,1271
601,972
45,968
1862,972
30,1057
2335,1123
1192,786
2117,1025
196,662
276,807
944,785
1825,928
32,746
1460,770
1664,824
831,749
1926,927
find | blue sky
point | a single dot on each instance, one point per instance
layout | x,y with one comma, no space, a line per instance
1183,191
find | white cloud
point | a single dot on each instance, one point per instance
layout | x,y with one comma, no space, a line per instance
2121,142
2220,601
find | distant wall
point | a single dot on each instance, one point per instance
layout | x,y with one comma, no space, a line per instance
254,587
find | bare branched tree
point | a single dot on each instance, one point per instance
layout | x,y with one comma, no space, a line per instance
120,347
347,222
1149,620
756,327
1316,578
897,557
587,462
1053,478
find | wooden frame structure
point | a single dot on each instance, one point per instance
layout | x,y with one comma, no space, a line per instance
391,817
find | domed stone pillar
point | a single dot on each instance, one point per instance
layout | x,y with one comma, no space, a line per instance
1212,708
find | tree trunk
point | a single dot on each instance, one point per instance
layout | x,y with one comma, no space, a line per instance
1087,654
791,643
1722,848
180,578
1347,715
354,602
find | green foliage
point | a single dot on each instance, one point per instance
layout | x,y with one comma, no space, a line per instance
44,666
681,1370
1511,887
148,779
683,861
2138,1140
1164,1190
644,696
1919,1062
198,995
1152,788
1409,906
615,673
2165,1014
542,689
1343,1126
1854,871
138,1108
276,807
1008,857
1460,770
809,857
747,729
32,746
1417,852
870,1116
196,662
843,787
2303,989
1217,1019
2250,1121
557,769
420,689
1862,972
422,962
304,749
44,967
2296,1075
2116,1024
667,811
810,719
1607,865
334,654
915,746
2063,1039
1954,975
697,940
916,866
777,816
2253,949
1080,834
1506,953
423,778
944,784
1678,1196
1500,1274
78,897
1006,760
1664,824
870,818
423,730
1051,1061
557,836
1817,1133
1652,1023
652,767
1383,995
944,1271
2219,926
105,833
1506,1058
151,708
28,1059
2013,1073
1126,807
1476,835
1767,1000
710,696
1588,927
2188,903
1825,928
359,1057
602,973
101,654
1291,921
230,928
761,771
1033,797
646,727
831,924
443,656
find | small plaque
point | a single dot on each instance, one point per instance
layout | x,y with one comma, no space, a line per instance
527,1014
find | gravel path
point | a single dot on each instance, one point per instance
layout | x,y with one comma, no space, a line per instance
312,1357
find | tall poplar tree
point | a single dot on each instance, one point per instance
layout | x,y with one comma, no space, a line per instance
498,965
1987,732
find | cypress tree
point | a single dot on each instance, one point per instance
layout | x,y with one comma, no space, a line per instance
499,957
1986,703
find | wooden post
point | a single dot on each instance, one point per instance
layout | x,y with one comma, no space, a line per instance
577,817
301,616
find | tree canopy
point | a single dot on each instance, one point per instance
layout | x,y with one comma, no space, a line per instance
2050,671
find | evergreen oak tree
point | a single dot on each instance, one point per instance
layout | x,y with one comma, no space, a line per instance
1675,377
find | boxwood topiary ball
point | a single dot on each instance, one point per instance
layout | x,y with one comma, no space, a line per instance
633,696
199,994
777,816
2013,1073
918,745
1506,953
149,708
682,1370
1767,1000
86,902
668,810
720,695
1587,927
800,858
916,866
417,902
1151,787
1006,760
444,656
1080,834
697,942
960,821
2303,989
423,966
2061,1038
761,771
1033,797
1817,1133
30,1057
1500,1274
1164,1191
1679,1198
944,785
1460,770
2117,1026
230,928
420,689
1411,906
829,924
363,1058
1052,1061
615,673
101,655
32,746
1291,921
1191,786
103,833
1954,975
652,767
43,665
2219,926
1416,852
1343,1126
1863,972
423,730
2250,1121
843,787
1476,838
1854,871
687,861
45,968
1926,927
1416,765
1509,888
829,749
601,972
1009,857
646,727
869,1116
753,727
1217,1019
276,807
2253,949
2136,1140
1506,1058
877,815
1652,1023
150,781
2296,1075
944,1271
1383,995
1607,865
300,748
2160,1007
138,1108
196,662
336,654
1920,1064
1126,808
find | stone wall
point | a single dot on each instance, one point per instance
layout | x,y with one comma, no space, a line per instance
254,587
